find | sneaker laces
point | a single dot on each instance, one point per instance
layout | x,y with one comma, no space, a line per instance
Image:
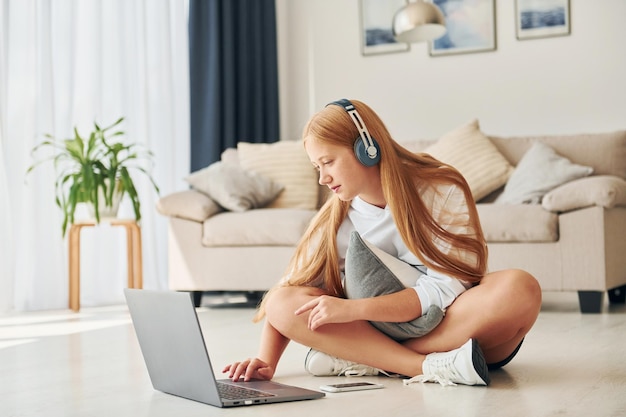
429,378
347,368
445,374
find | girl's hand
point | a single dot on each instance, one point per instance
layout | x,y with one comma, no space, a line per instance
327,309
248,369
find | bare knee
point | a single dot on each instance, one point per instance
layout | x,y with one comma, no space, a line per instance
281,304
523,289
514,297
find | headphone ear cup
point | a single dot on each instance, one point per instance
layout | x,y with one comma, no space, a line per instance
360,151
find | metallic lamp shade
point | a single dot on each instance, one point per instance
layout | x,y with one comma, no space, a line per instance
418,22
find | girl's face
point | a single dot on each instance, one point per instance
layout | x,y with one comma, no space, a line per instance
340,171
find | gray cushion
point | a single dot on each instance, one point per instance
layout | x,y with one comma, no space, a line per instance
540,170
367,275
234,188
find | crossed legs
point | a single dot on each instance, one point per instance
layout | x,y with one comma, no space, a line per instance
498,313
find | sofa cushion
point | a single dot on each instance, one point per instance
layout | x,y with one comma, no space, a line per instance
539,171
518,223
234,188
261,227
287,163
467,149
605,191
188,204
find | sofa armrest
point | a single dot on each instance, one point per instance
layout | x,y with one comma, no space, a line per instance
605,191
188,204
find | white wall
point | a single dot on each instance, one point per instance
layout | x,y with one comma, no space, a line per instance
568,84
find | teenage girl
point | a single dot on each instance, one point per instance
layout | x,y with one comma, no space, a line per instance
419,210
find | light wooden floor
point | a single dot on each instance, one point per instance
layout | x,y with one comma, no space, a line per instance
89,364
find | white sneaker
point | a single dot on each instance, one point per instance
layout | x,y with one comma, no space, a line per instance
465,365
320,364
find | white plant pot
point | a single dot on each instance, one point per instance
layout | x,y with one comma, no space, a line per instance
106,212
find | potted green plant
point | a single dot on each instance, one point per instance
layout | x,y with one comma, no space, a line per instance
95,170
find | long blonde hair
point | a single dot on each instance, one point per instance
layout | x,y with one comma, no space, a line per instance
403,173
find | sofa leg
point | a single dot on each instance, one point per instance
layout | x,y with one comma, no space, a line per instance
197,298
590,301
618,295
254,297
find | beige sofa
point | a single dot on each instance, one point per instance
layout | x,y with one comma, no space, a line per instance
571,236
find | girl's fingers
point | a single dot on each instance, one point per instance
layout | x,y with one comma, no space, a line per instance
308,306
248,369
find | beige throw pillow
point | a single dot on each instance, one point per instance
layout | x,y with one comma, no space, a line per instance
471,152
234,188
188,204
605,191
287,163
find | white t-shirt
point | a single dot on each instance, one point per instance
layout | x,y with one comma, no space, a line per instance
376,225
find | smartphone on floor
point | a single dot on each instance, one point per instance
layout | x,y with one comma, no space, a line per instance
350,386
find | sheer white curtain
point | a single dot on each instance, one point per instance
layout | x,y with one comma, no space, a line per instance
66,63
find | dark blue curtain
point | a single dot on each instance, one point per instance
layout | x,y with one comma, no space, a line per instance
233,76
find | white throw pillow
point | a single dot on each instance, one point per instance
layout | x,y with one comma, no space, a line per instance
540,170
468,150
287,163
234,188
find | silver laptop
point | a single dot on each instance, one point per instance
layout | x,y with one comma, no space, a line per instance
173,348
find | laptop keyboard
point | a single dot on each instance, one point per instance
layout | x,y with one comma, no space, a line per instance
234,392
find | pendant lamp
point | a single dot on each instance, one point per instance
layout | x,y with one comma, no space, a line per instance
418,21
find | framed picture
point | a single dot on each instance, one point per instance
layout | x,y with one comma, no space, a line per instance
542,18
470,27
376,26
